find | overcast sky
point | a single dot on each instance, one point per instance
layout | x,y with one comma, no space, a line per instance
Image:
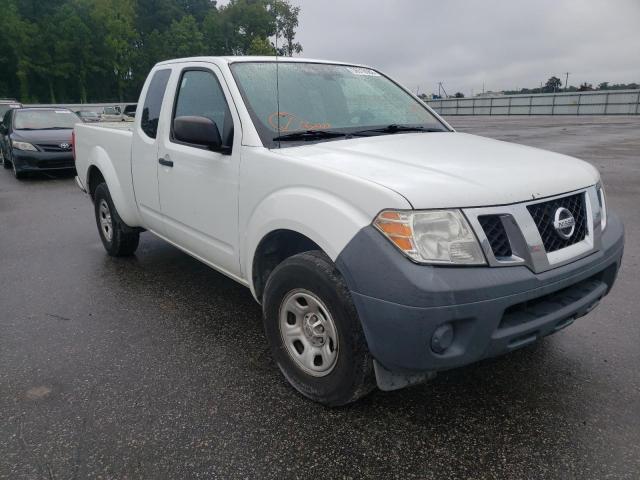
506,44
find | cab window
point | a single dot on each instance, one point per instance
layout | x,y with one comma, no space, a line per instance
200,94
153,103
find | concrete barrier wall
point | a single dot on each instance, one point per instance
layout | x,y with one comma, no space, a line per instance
610,102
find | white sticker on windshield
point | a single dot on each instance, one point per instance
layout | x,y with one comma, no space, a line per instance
363,71
63,111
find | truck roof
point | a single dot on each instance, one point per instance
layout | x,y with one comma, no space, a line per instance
236,59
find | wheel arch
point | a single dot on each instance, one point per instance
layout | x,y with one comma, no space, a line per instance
101,168
273,249
294,220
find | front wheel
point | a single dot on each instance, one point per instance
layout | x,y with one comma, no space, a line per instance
118,239
17,173
5,163
314,332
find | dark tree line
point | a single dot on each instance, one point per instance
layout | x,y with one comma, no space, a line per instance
554,84
101,50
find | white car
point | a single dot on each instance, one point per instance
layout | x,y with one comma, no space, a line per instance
382,245
112,114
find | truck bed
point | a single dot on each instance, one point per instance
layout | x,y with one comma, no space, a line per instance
108,146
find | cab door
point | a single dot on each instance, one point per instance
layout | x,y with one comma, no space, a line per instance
199,187
144,150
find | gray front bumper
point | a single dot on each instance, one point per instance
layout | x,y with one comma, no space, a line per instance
493,310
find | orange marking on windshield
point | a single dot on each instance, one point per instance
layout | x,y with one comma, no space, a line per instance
291,122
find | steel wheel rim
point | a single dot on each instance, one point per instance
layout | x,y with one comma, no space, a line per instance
308,332
104,215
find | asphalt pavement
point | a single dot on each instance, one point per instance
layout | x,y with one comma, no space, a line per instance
157,366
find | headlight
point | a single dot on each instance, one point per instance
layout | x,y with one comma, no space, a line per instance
603,206
23,146
431,236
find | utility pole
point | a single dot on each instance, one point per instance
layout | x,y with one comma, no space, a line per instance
566,81
441,88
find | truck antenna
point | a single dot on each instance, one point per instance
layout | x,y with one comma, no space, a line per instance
277,83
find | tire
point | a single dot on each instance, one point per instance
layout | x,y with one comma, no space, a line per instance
333,377
118,239
17,173
5,163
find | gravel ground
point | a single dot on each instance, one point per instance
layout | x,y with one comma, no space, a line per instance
157,366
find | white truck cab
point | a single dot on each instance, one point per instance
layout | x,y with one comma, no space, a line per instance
382,245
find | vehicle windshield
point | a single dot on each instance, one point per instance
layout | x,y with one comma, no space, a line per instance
325,97
45,119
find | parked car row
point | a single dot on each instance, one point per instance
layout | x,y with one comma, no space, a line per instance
112,113
35,139
8,104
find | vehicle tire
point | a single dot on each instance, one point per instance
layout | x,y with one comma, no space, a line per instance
118,239
5,163
16,173
325,355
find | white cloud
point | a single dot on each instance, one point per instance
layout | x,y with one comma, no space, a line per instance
505,44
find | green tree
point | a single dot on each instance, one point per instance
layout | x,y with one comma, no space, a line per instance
184,39
286,24
19,35
114,21
243,21
261,46
102,50
553,85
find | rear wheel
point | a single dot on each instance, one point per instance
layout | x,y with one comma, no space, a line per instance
314,331
118,239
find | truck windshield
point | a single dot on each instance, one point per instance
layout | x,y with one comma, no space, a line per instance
317,97
45,119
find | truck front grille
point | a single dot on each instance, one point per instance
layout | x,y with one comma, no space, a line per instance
543,216
496,234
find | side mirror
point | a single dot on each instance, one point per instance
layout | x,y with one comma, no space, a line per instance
197,130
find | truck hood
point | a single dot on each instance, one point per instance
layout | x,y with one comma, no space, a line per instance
450,169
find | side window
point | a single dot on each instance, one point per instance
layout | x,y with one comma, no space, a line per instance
200,94
153,102
6,120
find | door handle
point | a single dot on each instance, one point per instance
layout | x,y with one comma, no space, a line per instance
166,162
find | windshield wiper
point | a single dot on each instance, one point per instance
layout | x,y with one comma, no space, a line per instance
56,128
308,135
393,128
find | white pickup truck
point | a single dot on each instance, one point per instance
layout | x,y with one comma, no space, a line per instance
382,245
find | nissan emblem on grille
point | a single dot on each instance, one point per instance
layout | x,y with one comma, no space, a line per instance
64,146
564,223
